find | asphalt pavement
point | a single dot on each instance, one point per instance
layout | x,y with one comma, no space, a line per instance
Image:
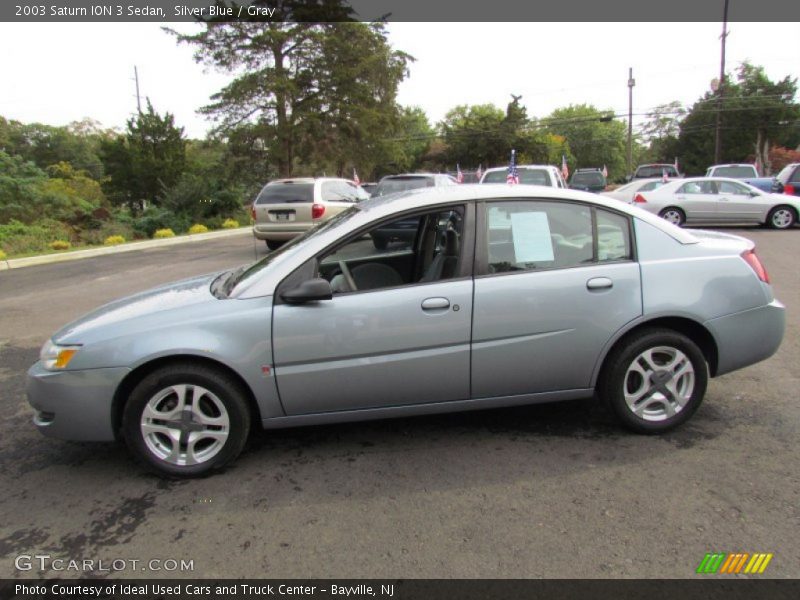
545,491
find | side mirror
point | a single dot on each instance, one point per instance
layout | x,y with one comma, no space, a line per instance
308,291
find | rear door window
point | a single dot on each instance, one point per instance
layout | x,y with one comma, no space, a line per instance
286,193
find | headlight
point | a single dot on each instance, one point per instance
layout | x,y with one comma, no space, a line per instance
56,357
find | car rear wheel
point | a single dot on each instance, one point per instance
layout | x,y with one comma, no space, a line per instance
674,215
273,244
782,217
186,420
654,380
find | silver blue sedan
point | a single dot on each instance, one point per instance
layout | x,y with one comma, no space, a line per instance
505,295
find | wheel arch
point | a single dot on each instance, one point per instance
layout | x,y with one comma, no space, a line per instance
692,329
130,381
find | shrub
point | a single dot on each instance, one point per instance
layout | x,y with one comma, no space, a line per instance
107,230
230,224
2,255
163,233
60,245
19,238
154,219
113,240
198,228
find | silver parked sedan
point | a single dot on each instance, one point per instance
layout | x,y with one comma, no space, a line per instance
719,200
506,295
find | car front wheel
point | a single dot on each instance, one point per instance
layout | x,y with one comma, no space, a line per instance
654,380
186,420
782,217
673,215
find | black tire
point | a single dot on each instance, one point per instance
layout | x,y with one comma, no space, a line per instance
674,215
224,390
273,244
380,243
782,217
616,380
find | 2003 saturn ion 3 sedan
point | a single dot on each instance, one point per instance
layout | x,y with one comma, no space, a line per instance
506,295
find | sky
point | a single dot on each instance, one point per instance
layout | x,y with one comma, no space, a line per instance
57,73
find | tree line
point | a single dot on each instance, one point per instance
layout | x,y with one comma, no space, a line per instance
310,99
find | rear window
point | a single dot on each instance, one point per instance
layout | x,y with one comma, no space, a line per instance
656,171
286,193
529,176
402,184
734,172
589,178
786,173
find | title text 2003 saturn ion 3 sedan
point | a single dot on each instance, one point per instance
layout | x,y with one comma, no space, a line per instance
506,295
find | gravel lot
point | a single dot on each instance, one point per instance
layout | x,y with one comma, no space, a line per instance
544,491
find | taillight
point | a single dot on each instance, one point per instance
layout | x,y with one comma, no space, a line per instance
752,259
639,199
253,211
317,210
788,189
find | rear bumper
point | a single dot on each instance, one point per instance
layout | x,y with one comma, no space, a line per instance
74,405
748,337
280,233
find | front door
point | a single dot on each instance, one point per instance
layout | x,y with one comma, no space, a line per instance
401,337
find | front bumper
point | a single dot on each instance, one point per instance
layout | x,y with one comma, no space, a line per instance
747,337
74,405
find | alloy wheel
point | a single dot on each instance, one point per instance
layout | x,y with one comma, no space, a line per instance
658,383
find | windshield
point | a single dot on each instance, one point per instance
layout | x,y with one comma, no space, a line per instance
243,274
785,173
655,171
589,178
286,193
529,176
402,184
734,172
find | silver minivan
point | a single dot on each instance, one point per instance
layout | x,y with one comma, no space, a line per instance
285,208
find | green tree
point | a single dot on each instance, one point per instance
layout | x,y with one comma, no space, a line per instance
475,135
312,92
756,114
146,161
19,189
594,137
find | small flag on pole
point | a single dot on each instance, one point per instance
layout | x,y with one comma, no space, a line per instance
564,167
664,176
356,180
605,172
513,174
459,174
479,173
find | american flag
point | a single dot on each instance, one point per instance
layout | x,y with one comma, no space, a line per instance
513,174
479,173
356,180
459,174
564,167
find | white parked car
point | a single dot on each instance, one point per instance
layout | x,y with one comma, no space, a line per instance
627,192
546,175
720,200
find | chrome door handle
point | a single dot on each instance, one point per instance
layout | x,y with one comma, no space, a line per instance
599,283
435,304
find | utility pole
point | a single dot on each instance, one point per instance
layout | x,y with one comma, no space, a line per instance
631,83
138,98
721,89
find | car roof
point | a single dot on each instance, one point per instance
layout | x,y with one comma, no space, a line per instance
307,179
367,212
521,167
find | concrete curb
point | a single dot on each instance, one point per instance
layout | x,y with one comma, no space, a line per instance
30,261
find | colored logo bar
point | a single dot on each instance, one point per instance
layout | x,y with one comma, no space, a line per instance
734,563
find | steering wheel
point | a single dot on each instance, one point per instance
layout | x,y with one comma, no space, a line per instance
348,277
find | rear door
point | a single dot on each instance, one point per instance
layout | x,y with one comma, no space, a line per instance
283,205
554,282
698,199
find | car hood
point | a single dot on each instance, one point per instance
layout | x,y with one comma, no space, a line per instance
151,305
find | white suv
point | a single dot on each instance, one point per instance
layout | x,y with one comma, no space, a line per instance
546,175
285,208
